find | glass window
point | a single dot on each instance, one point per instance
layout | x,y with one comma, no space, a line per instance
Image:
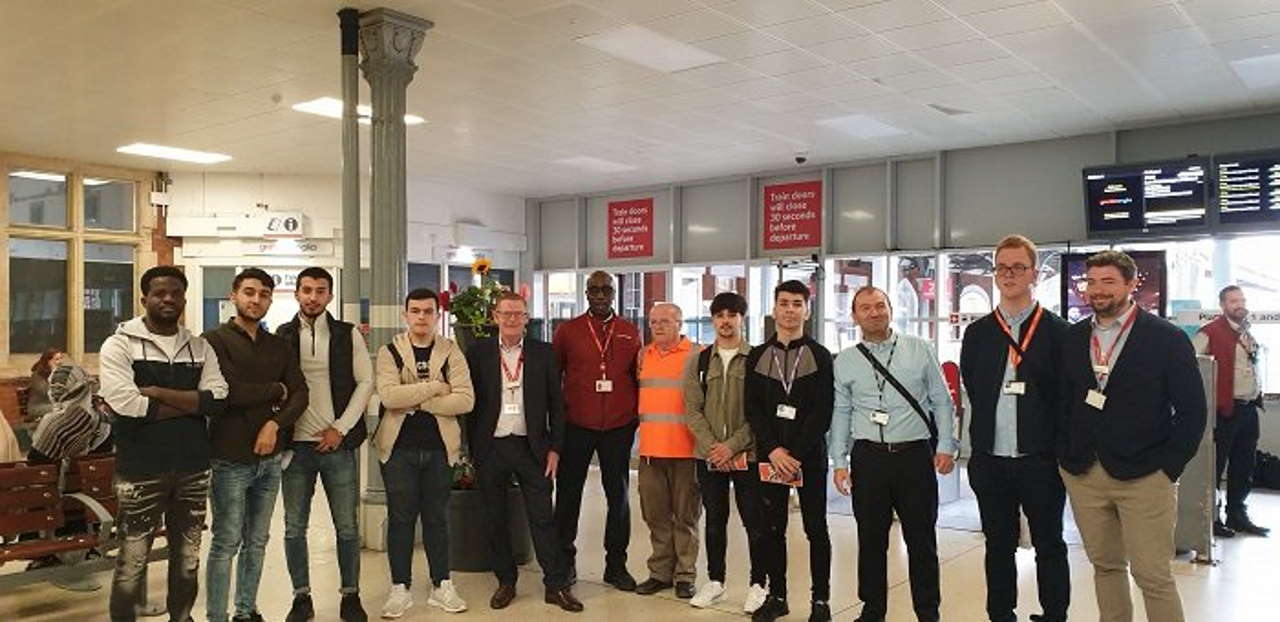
108,291
844,277
1250,263
217,308
562,299
37,198
635,293
424,275
695,286
37,295
761,280
915,295
108,204
970,292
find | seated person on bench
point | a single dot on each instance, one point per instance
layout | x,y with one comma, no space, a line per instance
75,426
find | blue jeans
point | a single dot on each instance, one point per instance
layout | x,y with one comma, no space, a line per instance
242,498
418,487
337,471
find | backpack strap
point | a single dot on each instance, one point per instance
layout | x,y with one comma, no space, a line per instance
704,363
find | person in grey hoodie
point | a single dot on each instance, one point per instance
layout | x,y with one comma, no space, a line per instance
160,382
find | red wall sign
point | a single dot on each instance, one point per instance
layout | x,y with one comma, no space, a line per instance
793,215
630,228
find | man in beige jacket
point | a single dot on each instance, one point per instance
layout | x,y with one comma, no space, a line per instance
425,385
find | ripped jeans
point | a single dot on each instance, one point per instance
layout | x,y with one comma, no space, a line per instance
179,500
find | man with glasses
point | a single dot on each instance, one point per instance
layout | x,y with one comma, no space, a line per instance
597,356
1010,366
669,500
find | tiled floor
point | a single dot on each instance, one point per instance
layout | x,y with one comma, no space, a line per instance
1243,588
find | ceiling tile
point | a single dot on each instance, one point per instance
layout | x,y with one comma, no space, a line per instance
633,11
742,45
818,29
916,80
931,35
893,14
1086,10
1018,18
770,12
571,20
819,77
962,53
786,61
1212,10
695,25
988,69
717,75
1242,27
1011,84
888,65
853,49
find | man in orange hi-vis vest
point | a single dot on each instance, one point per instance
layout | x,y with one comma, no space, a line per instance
669,499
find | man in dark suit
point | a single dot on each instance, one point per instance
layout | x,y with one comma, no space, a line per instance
1133,415
517,429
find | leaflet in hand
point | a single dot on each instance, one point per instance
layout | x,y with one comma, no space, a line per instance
737,463
769,475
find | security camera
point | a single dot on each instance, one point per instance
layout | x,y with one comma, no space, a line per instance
801,158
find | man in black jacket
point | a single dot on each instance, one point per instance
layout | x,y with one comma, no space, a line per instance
1010,366
517,429
1134,411
790,390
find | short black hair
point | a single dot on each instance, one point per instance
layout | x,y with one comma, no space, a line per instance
729,301
422,293
791,287
1222,295
257,274
316,272
160,272
1117,259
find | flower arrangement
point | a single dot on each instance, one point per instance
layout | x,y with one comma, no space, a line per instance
472,308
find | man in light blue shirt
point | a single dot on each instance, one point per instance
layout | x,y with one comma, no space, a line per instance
883,449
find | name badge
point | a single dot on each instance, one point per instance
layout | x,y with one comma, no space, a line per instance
786,412
604,385
879,417
1015,388
512,386
1096,399
1102,369
510,409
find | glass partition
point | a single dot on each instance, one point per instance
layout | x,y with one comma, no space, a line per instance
693,287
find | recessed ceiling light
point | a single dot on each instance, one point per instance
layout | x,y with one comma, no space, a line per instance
645,47
597,165
1258,72
39,176
173,153
332,107
862,126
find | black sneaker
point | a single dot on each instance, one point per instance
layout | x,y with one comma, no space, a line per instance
1241,524
1221,530
351,610
251,617
820,612
771,610
301,611
620,579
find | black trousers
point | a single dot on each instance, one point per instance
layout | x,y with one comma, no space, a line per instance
902,482
774,509
1032,484
715,499
1235,439
613,447
510,457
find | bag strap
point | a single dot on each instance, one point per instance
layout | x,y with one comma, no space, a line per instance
704,363
915,404
395,355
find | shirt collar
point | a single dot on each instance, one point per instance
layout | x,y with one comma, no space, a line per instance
681,346
1017,318
506,348
1120,321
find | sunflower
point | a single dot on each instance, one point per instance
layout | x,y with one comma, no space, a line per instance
481,266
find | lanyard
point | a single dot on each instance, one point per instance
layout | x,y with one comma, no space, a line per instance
787,381
512,377
602,347
880,380
1097,345
1019,350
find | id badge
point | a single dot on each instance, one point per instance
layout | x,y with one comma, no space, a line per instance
1102,370
510,409
1015,388
879,417
786,411
512,386
1096,399
604,385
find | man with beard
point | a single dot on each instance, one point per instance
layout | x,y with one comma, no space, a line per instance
1133,416
267,393
326,440
597,355
1235,433
160,382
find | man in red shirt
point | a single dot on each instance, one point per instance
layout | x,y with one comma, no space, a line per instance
597,354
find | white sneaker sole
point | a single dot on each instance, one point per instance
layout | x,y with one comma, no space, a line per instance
713,601
393,616
435,603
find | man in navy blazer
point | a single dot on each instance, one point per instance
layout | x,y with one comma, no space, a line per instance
1134,412
517,430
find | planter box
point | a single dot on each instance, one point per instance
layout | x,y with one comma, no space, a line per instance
469,548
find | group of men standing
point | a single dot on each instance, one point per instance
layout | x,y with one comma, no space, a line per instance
1107,412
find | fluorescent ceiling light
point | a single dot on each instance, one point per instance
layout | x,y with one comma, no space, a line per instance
597,165
650,49
1258,72
173,153
862,126
703,229
37,175
89,181
332,107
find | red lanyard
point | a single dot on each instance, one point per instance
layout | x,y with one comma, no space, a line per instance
1016,350
506,371
1097,345
603,348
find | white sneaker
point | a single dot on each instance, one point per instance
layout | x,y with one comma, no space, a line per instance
756,595
398,602
709,594
446,597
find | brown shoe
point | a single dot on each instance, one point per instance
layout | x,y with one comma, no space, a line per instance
502,597
564,599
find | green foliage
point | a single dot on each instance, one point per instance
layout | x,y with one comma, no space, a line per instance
473,307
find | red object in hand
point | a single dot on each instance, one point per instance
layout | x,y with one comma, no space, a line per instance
444,298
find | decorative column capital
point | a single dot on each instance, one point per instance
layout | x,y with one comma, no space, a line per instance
391,39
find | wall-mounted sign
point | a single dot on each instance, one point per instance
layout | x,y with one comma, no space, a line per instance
630,228
290,248
793,215
283,225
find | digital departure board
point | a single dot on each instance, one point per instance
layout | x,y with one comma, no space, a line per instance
1248,187
1136,198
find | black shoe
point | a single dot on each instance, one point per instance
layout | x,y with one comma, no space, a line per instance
252,617
1221,530
684,590
1241,524
821,612
1041,617
620,579
771,610
651,586
301,611
351,610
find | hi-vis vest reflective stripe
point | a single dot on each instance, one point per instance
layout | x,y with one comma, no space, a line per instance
663,432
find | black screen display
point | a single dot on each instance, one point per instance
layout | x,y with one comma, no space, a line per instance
1145,197
1248,187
